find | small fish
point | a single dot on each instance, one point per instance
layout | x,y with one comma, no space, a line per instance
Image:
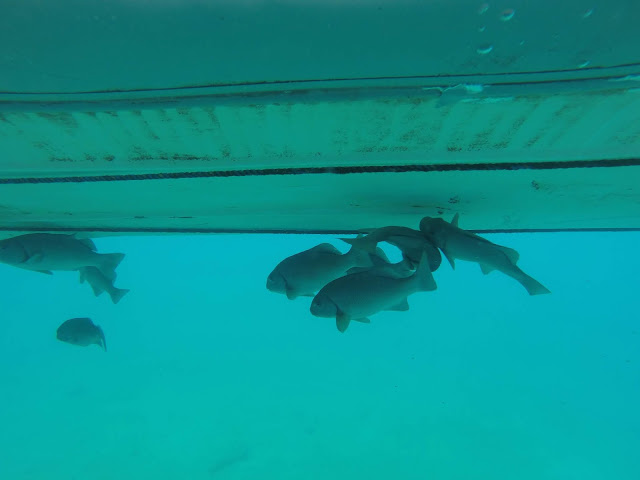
304,273
100,283
44,252
82,332
409,241
457,243
356,296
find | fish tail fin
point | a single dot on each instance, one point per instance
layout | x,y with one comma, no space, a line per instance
116,294
109,262
102,341
423,275
361,243
533,286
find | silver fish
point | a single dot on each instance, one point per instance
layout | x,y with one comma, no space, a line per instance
100,283
409,241
457,243
44,252
304,273
356,296
82,332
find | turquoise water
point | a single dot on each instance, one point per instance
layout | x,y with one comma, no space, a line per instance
210,376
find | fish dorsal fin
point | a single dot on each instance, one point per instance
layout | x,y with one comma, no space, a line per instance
363,243
511,254
454,220
87,242
326,248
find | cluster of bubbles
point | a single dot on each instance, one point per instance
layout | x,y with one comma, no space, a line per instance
506,15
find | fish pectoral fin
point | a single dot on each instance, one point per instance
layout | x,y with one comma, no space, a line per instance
292,294
102,341
46,272
402,306
486,269
452,260
342,322
33,259
307,295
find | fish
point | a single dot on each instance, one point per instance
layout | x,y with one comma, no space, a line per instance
304,273
409,241
381,263
359,295
460,244
46,252
82,332
100,283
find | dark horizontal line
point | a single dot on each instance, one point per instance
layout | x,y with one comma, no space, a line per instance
319,80
449,167
143,230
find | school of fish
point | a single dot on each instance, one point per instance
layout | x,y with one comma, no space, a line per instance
362,282
345,287
49,252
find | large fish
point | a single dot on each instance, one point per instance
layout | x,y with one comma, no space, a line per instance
100,283
304,273
460,244
412,243
82,332
356,296
381,263
44,252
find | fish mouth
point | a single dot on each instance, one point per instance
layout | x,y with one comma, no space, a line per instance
273,285
320,309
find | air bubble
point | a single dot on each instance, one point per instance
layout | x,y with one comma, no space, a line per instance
484,49
507,14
